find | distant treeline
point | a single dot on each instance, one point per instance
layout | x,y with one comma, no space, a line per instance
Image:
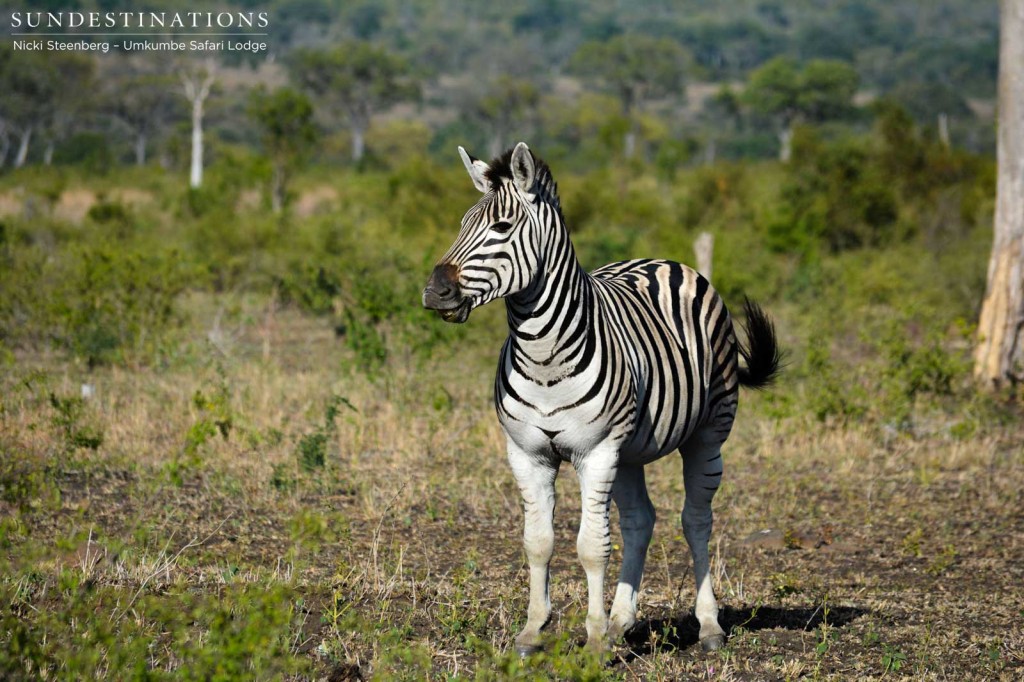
673,83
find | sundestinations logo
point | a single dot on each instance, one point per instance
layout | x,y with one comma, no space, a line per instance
139,31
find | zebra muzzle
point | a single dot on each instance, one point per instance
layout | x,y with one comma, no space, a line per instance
443,295
457,313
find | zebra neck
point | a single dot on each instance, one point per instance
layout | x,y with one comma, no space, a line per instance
548,319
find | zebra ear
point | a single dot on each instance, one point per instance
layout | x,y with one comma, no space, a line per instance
476,169
524,171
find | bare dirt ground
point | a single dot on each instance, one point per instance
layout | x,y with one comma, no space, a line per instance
840,551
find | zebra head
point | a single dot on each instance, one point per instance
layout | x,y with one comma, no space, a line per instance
497,251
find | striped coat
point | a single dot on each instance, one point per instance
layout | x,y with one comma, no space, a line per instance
610,371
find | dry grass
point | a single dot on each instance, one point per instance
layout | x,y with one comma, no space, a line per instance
895,555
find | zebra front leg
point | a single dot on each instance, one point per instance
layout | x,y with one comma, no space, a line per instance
702,474
536,479
636,521
596,472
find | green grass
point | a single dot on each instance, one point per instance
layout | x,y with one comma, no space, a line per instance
288,470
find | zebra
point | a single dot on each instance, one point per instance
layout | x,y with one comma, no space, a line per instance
609,371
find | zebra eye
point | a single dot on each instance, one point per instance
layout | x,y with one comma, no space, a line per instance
502,226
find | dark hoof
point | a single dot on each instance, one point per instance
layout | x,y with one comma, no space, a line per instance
525,650
713,642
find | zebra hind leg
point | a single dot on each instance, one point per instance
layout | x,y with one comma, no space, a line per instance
702,474
636,521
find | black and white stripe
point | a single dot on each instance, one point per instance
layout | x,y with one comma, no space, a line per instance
609,370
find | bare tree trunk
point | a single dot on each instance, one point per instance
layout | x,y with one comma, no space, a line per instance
944,130
358,142
195,176
5,147
277,188
140,149
48,153
197,89
496,146
999,355
710,152
22,155
629,144
704,247
786,144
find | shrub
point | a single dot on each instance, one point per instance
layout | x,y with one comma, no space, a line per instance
68,419
115,305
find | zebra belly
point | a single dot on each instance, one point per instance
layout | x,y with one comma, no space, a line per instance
547,422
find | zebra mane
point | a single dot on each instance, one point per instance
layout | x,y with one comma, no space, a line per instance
500,168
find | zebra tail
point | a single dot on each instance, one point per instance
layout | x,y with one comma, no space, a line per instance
762,353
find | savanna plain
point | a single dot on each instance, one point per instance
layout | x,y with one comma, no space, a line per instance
235,447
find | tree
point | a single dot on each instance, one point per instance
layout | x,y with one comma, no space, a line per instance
196,81
724,116
356,78
140,98
27,80
999,355
823,89
502,106
5,141
285,118
637,68
72,97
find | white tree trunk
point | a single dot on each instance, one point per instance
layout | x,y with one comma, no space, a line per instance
786,144
277,188
197,89
140,149
999,355
48,153
496,146
195,176
629,144
22,155
358,142
704,248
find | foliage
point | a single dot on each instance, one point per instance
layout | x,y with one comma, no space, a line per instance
357,78
502,106
313,447
142,99
634,67
243,632
213,416
816,91
100,303
835,196
265,560
67,418
285,118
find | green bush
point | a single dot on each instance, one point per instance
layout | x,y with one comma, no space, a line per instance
116,305
314,289
90,150
114,215
837,196
68,419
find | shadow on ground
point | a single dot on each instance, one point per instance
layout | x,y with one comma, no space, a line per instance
683,632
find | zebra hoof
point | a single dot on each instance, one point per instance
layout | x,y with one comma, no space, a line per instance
617,631
712,642
527,650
